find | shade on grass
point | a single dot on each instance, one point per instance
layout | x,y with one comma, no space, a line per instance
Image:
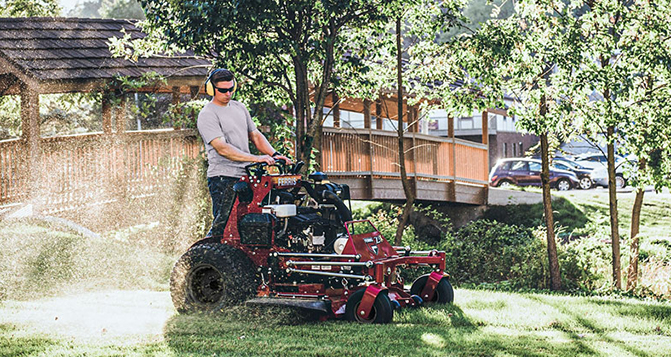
481,323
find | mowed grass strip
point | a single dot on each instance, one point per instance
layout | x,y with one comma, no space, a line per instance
480,323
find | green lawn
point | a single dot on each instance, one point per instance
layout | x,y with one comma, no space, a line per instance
480,323
655,214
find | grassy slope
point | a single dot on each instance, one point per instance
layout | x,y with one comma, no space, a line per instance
481,323
655,214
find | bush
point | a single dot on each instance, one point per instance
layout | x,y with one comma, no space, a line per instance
566,214
487,251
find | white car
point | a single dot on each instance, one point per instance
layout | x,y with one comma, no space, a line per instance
599,165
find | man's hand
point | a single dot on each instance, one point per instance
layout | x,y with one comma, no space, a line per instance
266,158
282,157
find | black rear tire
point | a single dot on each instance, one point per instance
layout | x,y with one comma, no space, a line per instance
209,277
444,292
563,185
381,313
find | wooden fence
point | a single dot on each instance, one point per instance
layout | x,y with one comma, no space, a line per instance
76,170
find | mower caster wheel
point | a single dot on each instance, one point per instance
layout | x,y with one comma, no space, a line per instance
418,300
381,313
395,304
444,293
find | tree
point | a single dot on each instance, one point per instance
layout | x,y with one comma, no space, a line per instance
530,55
623,70
648,128
29,8
291,49
401,64
107,9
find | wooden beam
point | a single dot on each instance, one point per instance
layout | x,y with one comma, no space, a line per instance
378,114
175,102
194,91
120,115
30,126
450,126
366,113
107,113
336,109
485,128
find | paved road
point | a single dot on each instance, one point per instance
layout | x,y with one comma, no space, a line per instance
502,197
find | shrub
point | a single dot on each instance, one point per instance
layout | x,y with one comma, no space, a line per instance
566,214
487,251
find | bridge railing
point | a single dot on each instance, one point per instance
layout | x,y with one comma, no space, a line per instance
83,169
359,152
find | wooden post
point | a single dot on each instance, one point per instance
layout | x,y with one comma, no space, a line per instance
378,113
366,113
336,109
30,126
194,91
450,126
175,102
485,127
107,113
120,115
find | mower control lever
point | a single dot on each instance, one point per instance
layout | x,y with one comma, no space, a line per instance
259,168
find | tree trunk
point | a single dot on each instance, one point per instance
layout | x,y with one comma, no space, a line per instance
632,272
407,189
555,277
313,123
301,106
612,194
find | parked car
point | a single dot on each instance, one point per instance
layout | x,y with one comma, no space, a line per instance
599,165
584,174
527,172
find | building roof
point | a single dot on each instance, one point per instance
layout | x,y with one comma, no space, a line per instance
76,50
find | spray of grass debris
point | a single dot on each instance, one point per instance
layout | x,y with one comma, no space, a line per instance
137,241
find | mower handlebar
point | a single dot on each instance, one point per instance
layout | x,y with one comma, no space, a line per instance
259,168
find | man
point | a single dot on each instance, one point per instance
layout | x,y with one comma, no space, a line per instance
227,128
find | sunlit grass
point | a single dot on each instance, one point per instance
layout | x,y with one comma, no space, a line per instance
480,323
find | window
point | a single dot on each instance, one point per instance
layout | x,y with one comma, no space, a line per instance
519,166
534,166
521,148
514,149
505,149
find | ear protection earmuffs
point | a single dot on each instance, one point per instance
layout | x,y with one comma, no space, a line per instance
209,87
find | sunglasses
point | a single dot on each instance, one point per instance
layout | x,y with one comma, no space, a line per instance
224,90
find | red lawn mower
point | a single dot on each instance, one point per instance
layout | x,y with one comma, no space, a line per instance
293,242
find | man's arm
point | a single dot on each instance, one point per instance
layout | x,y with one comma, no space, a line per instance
234,154
264,146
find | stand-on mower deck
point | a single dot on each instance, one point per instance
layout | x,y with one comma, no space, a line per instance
293,242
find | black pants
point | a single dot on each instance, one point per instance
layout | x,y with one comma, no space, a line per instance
223,197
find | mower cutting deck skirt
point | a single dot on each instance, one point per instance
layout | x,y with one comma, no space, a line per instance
293,242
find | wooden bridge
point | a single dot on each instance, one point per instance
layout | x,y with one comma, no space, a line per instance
441,169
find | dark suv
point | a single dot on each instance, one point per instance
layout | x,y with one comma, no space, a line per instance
584,174
527,172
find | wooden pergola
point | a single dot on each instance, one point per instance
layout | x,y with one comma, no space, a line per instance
65,55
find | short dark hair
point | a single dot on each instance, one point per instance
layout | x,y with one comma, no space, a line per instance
221,75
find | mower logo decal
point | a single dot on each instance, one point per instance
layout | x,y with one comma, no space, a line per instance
374,248
286,181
